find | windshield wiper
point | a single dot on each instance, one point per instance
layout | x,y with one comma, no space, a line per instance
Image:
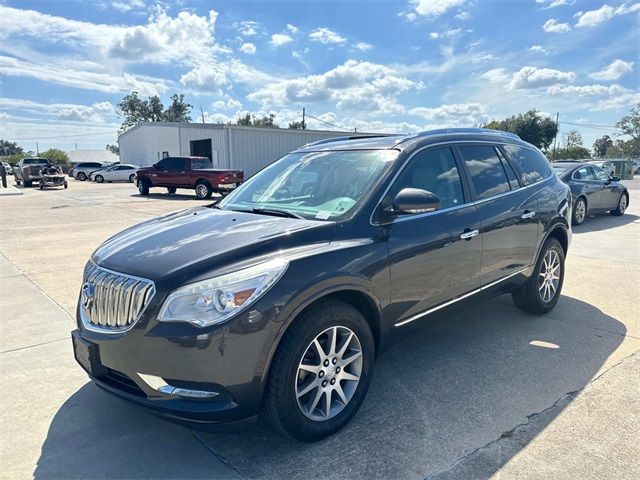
276,212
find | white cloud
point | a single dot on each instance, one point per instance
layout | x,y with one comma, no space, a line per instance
231,104
63,74
585,90
446,34
554,3
614,71
363,46
537,49
94,113
360,86
248,28
279,39
533,77
248,48
205,78
457,114
593,18
128,5
615,103
435,8
292,28
553,26
326,36
496,75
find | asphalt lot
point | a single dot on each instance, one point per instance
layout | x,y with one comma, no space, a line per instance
489,392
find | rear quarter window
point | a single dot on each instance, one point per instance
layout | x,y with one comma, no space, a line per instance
532,166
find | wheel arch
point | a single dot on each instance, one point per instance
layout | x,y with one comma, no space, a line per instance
353,295
203,180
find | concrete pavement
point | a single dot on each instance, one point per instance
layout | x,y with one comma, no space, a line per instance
487,392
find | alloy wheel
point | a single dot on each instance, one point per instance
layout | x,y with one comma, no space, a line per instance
622,206
549,276
328,373
201,191
581,211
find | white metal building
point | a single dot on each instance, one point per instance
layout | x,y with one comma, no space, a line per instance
228,146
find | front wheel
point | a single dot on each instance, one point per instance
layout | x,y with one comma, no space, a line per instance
143,187
82,176
541,292
321,372
99,179
622,206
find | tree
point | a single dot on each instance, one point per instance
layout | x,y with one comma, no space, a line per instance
573,148
56,156
298,125
530,127
10,148
113,149
250,120
601,145
136,110
630,126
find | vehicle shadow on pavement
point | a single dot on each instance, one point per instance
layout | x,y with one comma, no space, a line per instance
450,388
94,435
603,221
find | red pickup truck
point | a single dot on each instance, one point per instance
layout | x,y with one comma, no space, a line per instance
195,173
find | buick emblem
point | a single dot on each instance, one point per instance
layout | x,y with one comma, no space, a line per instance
88,294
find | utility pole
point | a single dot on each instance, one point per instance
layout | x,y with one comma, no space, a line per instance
304,125
37,150
202,113
555,152
76,145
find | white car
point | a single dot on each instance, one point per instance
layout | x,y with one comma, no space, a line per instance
115,173
606,165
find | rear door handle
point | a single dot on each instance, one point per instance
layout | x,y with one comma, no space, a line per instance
469,234
528,214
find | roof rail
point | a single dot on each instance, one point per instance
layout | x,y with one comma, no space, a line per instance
443,131
343,139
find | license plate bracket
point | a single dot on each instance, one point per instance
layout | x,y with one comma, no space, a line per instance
87,355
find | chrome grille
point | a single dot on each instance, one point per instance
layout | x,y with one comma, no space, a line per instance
112,301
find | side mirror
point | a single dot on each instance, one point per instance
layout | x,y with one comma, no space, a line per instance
414,200
615,179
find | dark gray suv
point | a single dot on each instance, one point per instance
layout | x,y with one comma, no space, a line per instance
277,300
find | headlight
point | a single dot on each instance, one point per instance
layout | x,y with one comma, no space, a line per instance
216,299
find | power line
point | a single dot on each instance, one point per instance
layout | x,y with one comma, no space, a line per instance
591,125
65,136
328,123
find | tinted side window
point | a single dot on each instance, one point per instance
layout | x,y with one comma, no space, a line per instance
197,163
436,171
487,172
583,173
511,174
533,166
175,164
599,173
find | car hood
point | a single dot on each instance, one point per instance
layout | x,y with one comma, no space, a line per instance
181,246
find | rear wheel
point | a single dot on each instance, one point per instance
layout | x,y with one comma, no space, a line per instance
132,178
99,179
82,176
579,211
171,190
143,187
321,372
203,190
541,292
622,205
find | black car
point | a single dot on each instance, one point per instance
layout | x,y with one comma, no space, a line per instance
592,189
278,304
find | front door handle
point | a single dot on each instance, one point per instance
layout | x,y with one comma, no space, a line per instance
469,234
528,214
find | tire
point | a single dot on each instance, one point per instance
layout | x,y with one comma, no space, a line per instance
28,183
99,179
579,211
171,190
623,203
532,296
82,176
203,190
132,178
41,186
66,185
143,187
294,414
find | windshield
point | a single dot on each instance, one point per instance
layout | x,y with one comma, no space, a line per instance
316,185
34,161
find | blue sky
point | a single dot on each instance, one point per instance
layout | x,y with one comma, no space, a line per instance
393,66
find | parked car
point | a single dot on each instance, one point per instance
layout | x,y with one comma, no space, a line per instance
592,190
82,170
7,168
274,305
605,165
120,172
194,173
52,176
28,170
